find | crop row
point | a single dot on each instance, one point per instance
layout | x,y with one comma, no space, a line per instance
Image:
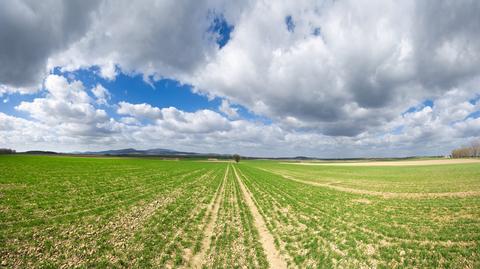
235,242
132,213
407,179
321,227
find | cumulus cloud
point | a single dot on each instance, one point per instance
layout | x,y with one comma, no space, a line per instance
201,121
31,33
228,110
130,121
329,74
159,38
424,130
68,108
139,110
368,62
101,94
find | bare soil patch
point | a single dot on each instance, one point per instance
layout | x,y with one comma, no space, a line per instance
362,201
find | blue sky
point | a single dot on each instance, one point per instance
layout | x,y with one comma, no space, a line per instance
159,93
221,28
260,78
133,88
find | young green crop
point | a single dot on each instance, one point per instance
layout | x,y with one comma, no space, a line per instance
235,242
421,178
142,213
325,227
96,212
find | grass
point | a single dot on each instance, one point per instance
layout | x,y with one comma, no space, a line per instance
139,213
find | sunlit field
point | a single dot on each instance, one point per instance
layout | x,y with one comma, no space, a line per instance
145,212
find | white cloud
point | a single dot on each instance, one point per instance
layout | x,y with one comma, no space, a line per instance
130,121
199,122
346,86
31,33
174,120
207,131
228,110
361,72
67,108
159,39
139,110
102,94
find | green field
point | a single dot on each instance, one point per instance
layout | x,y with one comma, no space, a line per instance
133,212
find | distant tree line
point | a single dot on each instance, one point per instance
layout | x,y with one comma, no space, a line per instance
472,150
7,151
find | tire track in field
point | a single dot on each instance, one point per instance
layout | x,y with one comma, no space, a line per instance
164,260
197,260
386,238
79,211
125,227
121,228
274,258
386,195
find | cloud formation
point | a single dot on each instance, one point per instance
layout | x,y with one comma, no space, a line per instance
159,38
228,110
69,109
101,94
31,33
330,75
368,62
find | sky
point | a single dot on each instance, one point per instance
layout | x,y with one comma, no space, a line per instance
328,79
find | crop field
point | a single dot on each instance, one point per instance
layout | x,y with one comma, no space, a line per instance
62,212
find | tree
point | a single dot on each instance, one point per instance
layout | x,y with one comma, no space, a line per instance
473,150
6,151
475,147
236,157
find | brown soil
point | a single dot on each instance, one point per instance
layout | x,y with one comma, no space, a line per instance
362,201
197,260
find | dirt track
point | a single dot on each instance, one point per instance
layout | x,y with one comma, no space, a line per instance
213,208
273,255
386,194
392,163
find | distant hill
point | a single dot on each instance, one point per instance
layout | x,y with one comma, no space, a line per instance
132,151
161,152
39,152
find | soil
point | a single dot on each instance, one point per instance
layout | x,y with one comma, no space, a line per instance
273,255
197,260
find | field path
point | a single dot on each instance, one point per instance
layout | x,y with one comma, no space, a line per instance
386,195
391,163
273,255
212,214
